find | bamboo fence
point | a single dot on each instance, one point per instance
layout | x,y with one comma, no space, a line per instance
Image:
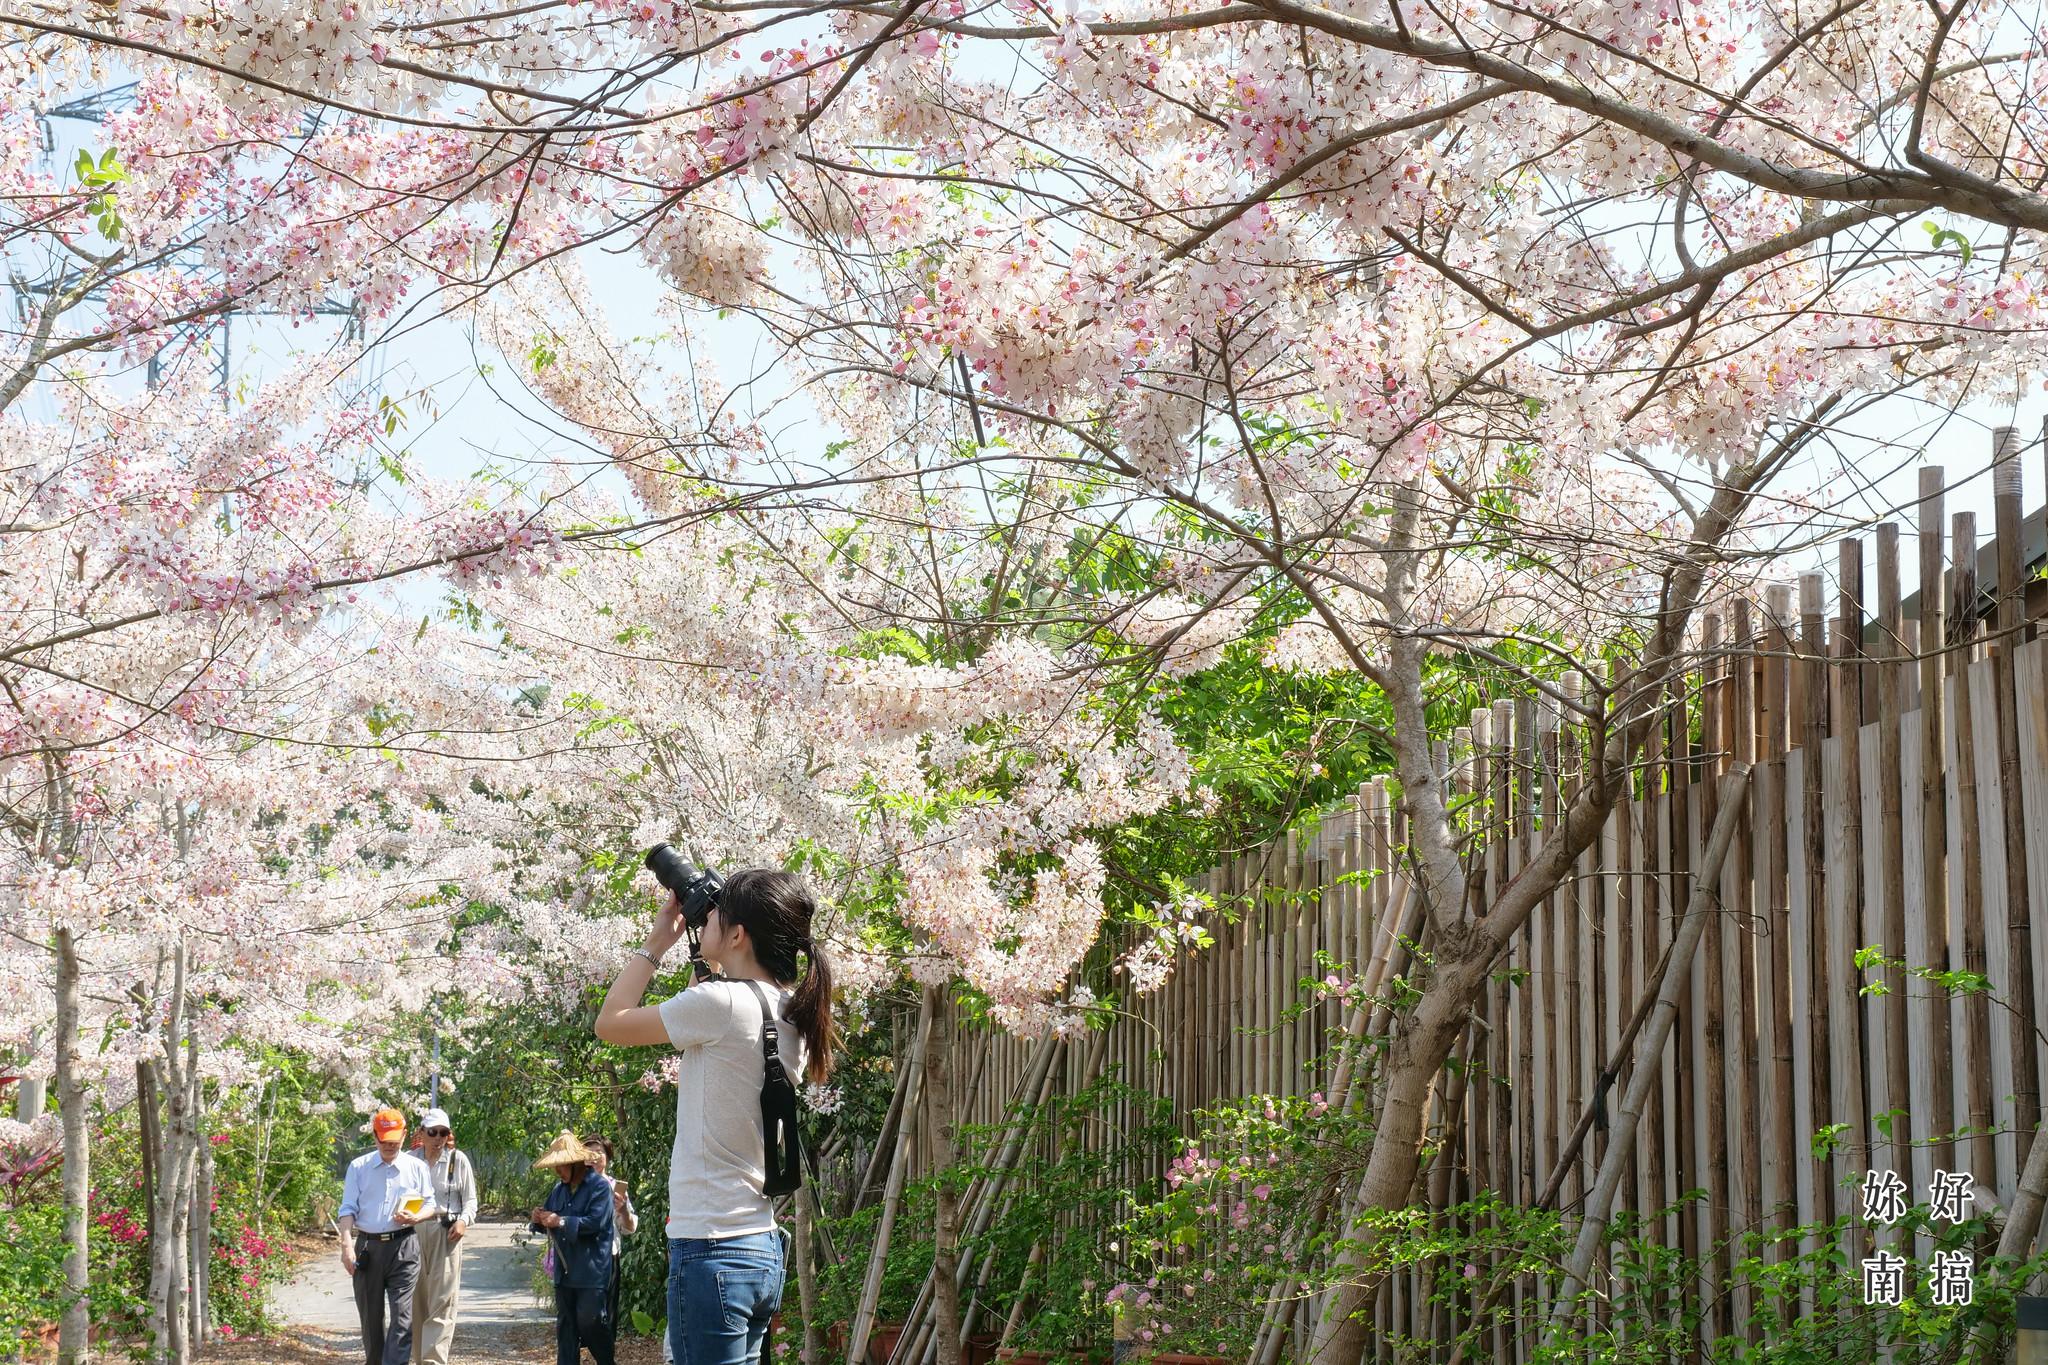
1899,799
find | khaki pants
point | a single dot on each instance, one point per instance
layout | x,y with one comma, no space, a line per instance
435,1297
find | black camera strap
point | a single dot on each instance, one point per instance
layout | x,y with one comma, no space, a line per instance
783,1141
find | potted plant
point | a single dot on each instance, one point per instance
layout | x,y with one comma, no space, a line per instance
882,1338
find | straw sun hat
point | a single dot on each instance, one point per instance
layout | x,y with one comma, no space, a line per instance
565,1150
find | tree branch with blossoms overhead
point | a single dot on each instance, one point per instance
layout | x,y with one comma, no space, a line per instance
1495,343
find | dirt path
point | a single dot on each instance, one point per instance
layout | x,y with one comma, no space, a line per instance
499,1321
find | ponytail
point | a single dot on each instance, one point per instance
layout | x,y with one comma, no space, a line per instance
776,909
811,1012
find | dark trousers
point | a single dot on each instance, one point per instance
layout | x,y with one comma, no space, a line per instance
583,1321
385,1274
611,1299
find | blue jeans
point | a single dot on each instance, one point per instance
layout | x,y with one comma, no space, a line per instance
721,1294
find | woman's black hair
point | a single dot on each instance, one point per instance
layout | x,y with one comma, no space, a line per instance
597,1143
776,910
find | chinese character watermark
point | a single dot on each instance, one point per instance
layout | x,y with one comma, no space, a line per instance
1951,1196
1951,1282
1884,1198
1884,1279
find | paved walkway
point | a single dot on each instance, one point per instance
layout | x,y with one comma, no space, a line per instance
499,1316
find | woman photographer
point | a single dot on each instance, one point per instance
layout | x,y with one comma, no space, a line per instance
725,1262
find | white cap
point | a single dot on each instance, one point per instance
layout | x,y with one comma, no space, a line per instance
435,1118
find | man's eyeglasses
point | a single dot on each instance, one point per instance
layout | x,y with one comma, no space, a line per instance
436,1132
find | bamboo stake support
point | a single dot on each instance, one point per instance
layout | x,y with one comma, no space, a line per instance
1706,895
892,1196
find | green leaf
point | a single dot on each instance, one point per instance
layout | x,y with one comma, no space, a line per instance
1939,237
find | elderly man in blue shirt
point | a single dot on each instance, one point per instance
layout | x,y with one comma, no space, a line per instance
577,1218
378,1248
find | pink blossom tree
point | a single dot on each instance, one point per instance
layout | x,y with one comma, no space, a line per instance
1499,333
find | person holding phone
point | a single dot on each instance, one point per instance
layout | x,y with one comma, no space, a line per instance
625,1218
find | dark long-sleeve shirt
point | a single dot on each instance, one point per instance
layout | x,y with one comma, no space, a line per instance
583,1244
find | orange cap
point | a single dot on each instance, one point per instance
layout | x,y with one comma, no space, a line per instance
388,1124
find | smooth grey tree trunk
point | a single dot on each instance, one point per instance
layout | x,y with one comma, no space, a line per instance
199,1246
170,1220
72,1346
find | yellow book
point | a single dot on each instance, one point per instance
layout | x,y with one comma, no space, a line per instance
415,1204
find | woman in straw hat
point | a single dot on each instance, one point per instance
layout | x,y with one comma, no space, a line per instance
578,1221
725,1252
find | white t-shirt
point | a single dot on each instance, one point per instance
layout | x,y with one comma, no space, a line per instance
715,1170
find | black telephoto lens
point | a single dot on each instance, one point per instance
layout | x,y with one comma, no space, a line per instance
668,868
696,890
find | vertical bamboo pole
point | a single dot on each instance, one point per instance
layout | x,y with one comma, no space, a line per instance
1627,899
1499,786
1775,813
1714,1037
1525,1069
1940,1118
1305,942
1245,1015
1650,830
1745,1074
2019,989
1547,932
1565,940
1639,848
1489,856
1891,1006
1289,916
1969,870
1247,974
1813,680
1845,1058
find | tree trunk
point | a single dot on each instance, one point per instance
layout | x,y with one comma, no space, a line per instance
149,1113
946,1232
1273,1327
2023,1219
266,1123
1412,1062
199,1246
985,1196
72,1346
170,1215
813,1350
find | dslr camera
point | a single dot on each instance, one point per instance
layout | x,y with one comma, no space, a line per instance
696,889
